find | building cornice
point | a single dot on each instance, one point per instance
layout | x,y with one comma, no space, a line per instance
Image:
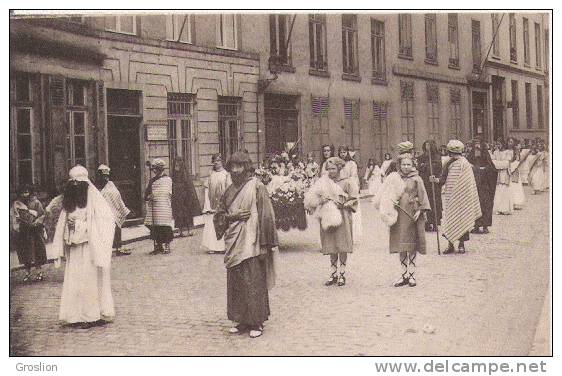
514,69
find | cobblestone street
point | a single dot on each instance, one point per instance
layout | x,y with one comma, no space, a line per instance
485,302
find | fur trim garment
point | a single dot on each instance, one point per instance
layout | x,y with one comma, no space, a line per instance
327,212
389,194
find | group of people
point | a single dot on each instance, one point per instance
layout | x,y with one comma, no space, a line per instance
456,193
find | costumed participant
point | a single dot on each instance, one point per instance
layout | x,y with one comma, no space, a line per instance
461,205
27,232
215,186
373,177
502,159
185,204
405,147
434,216
111,194
84,236
246,219
328,151
159,218
333,199
536,170
312,168
524,165
350,171
387,161
516,185
403,205
486,177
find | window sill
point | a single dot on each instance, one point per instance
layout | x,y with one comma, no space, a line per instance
227,48
513,62
350,77
178,41
496,57
318,73
287,68
526,65
455,67
538,69
431,62
121,32
405,57
379,81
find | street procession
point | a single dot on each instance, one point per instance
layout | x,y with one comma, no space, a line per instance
249,204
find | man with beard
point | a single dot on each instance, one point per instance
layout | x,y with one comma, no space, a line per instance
486,177
110,192
246,219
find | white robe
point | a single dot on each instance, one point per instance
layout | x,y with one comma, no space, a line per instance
217,183
503,203
86,292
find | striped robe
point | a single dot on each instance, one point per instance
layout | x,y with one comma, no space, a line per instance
113,198
161,204
461,205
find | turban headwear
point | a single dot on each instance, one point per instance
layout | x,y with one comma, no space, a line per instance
455,146
404,147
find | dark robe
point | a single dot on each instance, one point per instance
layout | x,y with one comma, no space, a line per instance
185,204
486,177
433,217
28,241
247,281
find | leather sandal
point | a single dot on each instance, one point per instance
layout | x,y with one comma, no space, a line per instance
332,281
341,280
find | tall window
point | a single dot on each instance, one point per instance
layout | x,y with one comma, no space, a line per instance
229,124
407,110
453,38
526,51
495,26
178,28
24,144
227,31
380,129
546,50
455,125
432,92
352,126
405,35
121,24
528,106
320,130
476,47
377,50
23,88
540,108
317,40
512,38
538,45
515,103
76,119
431,38
278,33
349,44
181,130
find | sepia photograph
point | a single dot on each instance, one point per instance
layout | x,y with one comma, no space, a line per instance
234,183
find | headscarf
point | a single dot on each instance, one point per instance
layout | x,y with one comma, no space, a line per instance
455,146
335,161
101,223
404,147
157,162
103,169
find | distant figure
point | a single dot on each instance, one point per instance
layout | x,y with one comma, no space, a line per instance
502,158
486,176
246,219
434,215
110,192
387,161
159,218
84,236
373,177
312,168
516,185
215,186
328,151
537,169
27,232
185,204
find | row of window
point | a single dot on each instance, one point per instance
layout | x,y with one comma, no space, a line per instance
528,105
526,41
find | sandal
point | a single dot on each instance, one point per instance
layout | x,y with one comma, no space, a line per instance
238,329
403,281
462,249
39,277
27,277
256,332
332,281
341,280
412,282
449,250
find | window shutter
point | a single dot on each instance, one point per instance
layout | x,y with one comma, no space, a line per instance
56,90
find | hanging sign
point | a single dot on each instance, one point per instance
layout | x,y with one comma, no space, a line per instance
156,132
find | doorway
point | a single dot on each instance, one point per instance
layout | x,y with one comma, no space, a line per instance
499,107
123,139
480,115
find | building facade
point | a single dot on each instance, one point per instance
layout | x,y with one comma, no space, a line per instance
122,90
